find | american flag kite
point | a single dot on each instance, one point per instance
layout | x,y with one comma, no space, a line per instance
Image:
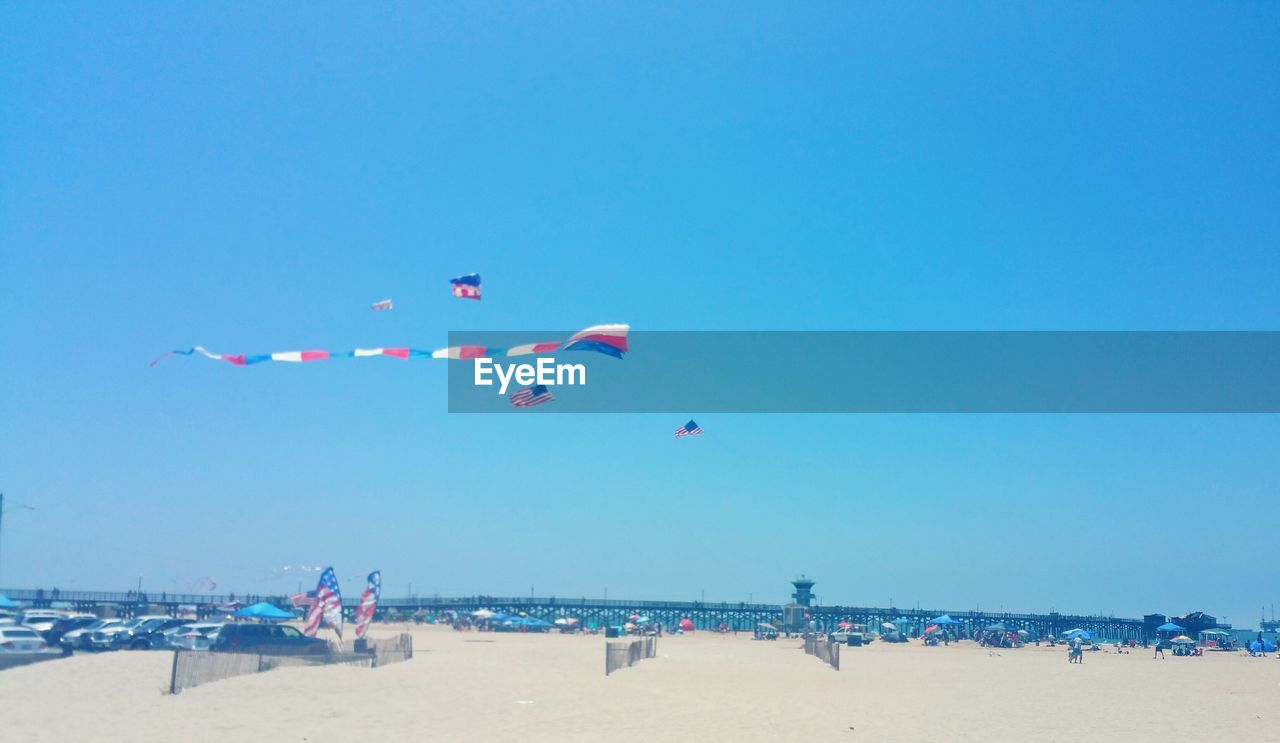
384,304
530,396
466,287
327,609
368,602
689,429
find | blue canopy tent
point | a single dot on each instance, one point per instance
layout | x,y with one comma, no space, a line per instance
263,610
7,603
1170,627
944,619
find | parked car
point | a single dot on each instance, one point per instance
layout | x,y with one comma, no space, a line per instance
195,636
104,639
274,639
17,639
67,624
40,620
78,639
147,635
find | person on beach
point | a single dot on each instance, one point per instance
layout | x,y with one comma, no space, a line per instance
1077,651
1159,651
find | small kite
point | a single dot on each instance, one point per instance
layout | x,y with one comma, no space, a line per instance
381,306
689,429
466,287
530,396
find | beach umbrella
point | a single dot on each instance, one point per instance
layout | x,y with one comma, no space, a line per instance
889,626
7,603
628,626
931,629
997,627
634,617
766,625
481,613
686,624
1023,633
845,624
643,620
1183,640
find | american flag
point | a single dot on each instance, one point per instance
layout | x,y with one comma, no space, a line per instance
328,606
466,287
530,396
368,602
384,304
306,598
689,429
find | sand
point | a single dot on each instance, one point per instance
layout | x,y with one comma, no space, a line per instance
469,686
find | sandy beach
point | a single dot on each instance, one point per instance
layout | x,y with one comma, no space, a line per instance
464,686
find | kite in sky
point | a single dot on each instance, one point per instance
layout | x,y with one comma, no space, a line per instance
381,306
689,429
610,340
466,287
530,396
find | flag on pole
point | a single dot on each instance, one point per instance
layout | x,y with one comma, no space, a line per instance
368,602
530,396
327,610
466,287
689,429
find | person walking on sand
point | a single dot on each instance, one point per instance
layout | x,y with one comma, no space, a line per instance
1159,651
1077,652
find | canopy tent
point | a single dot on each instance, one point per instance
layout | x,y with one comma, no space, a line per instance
7,603
263,610
1170,627
944,619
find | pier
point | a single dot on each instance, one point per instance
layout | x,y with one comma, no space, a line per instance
738,617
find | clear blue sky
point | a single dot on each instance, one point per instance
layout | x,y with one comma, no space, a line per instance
251,178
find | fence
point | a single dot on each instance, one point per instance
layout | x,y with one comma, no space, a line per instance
390,650
824,650
626,654
194,667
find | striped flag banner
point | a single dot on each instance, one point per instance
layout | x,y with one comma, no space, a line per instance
327,610
368,602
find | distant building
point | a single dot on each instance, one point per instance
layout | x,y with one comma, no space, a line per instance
795,615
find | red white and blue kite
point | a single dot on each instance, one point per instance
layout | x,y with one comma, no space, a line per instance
466,287
607,339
